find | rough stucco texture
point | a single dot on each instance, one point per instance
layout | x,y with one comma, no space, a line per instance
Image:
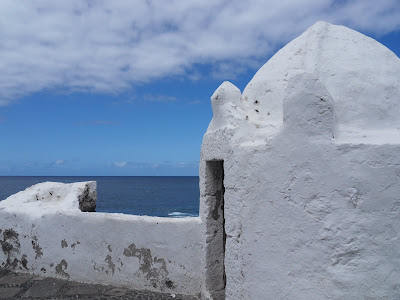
159,254
312,197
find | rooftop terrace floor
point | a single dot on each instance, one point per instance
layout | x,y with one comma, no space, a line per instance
27,286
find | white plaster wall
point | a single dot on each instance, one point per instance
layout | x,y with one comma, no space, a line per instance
312,190
159,254
323,225
309,218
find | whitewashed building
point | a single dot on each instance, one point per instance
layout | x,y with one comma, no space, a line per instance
299,183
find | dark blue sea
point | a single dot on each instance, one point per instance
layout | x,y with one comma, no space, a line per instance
151,196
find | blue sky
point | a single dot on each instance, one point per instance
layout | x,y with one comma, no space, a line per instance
123,87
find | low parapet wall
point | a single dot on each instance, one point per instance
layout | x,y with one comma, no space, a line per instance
140,252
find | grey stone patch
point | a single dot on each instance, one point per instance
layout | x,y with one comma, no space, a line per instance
24,262
74,245
87,200
109,248
169,284
36,247
15,279
110,263
45,288
61,267
116,292
64,243
6,293
154,269
10,245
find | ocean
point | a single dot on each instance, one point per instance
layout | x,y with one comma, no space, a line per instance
152,196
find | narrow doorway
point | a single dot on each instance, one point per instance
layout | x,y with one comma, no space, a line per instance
215,233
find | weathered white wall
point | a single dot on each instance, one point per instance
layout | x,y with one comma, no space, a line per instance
58,240
311,155
323,225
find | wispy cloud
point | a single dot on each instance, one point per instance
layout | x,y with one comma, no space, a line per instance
120,164
195,102
97,122
59,162
4,102
43,164
159,98
155,165
107,46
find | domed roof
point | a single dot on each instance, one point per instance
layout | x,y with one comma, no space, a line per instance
361,75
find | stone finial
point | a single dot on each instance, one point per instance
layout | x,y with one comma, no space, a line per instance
224,102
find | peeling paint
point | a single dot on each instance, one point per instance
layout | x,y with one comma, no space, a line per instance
10,241
24,262
10,245
61,267
154,269
169,284
64,243
74,245
36,247
110,263
120,262
95,266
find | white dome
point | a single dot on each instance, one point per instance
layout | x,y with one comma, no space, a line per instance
362,76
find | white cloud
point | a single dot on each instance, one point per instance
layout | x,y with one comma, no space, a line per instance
155,165
120,164
97,122
106,46
59,162
195,102
159,98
